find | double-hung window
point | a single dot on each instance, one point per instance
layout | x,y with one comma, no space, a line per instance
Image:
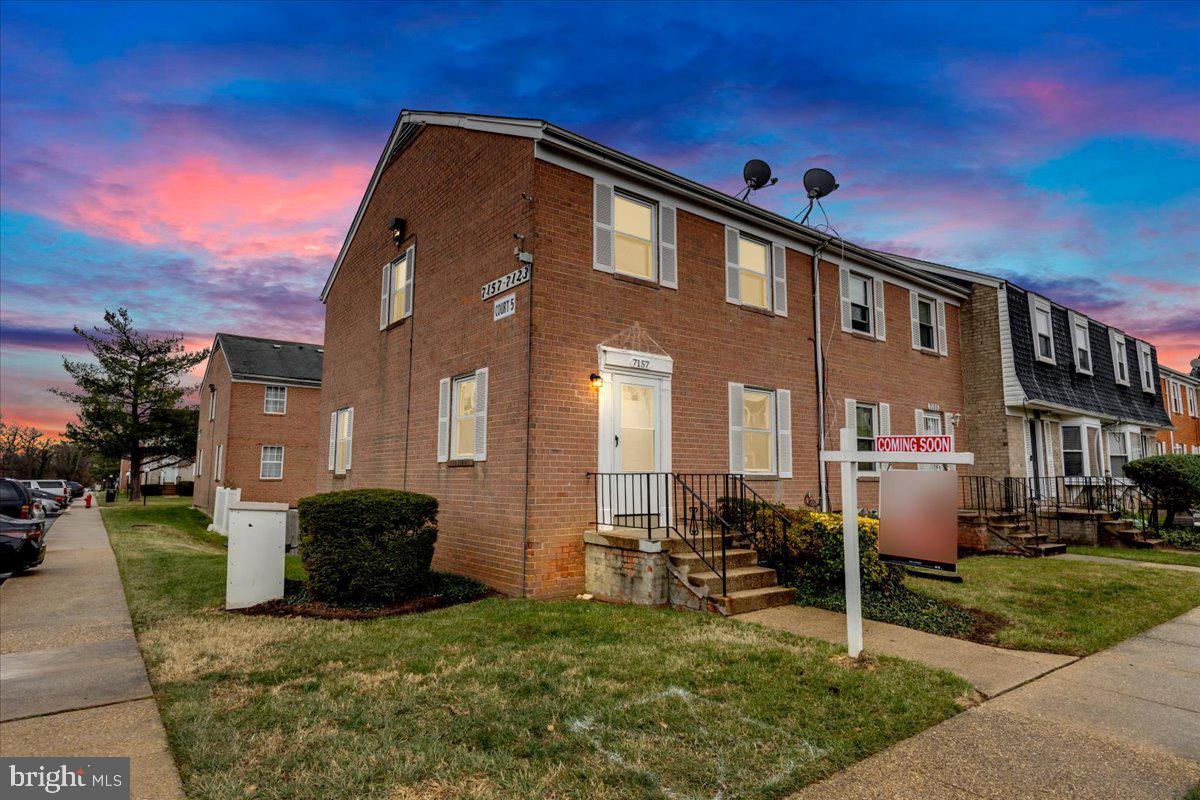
275,400
866,423
1043,328
633,236
462,417
1175,389
341,440
754,258
1145,367
1120,359
1118,454
1191,396
395,292
926,322
1072,450
758,431
860,290
1081,339
270,465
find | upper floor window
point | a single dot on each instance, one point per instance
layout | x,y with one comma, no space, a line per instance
860,303
212,403
462,417
1043,329
1146,367
341,440
753,260
1081,338
275,400
270,465
1191,396
1175,391
633,236
926,313
1120,359
395,292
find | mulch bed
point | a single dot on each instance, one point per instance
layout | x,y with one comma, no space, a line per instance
987,625
296,603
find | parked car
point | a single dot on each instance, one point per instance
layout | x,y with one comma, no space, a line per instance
57,488
76,489
22,545
48,501
15,500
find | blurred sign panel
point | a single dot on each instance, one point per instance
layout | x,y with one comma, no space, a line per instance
918,516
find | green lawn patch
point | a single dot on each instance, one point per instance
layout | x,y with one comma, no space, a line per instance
1130,554
497,698
1071,607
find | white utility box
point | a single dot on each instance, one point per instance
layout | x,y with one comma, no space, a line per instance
254,569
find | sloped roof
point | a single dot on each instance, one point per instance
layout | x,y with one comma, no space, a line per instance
252,358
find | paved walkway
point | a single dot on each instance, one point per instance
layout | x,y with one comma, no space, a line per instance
72,681
1122,723
991,670
1129,562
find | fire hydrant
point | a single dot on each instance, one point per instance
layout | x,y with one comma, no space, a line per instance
87,499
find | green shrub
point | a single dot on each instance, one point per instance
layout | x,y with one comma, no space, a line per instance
185,488
1183,538
810,543
367,546
1172,482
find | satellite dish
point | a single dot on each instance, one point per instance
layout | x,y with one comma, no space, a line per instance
757,173
818,182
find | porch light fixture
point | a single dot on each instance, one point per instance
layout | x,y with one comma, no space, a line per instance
596,380
397,228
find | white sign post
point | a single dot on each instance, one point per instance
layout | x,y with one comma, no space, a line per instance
896,450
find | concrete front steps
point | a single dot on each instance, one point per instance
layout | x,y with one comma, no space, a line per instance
1009,532
1122,533
748,587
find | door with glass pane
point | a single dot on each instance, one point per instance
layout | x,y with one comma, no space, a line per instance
637,449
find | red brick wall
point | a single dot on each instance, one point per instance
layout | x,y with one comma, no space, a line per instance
1187,428
460,193
243,428
889,371
711,342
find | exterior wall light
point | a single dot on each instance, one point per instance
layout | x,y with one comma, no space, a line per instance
596,380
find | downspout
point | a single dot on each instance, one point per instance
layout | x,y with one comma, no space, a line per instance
820,370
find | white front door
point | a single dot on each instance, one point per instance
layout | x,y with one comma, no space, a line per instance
634,447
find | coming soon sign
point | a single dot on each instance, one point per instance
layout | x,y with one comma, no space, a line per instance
914,444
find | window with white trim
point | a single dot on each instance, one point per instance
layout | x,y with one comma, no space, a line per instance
754,272
1191,396
1161,447
1043,328
1120,358
758,431
1175,391
462,417
395,292
1118,454
1072,450
341,440
275,400
1146,367
270,464
860,290
634,236
866,428
462,426
1081,337
926,323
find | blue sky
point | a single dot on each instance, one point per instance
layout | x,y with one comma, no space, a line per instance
200,163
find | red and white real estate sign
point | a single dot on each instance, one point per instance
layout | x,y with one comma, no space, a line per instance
914,444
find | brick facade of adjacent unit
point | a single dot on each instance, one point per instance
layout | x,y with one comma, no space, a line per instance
242,427
1186,426
516,520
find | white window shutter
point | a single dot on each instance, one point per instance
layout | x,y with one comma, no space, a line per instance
941,327
880,321
919,428
667,259
602,216
349,436
885,420
844,292
481,404
851,421
384,292
779,271
737,457
783,429
409,266
1028,450
914,315
1048,441
332,439
733,286
948,428
443,442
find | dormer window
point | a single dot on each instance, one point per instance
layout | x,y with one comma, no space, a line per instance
1043,329
1146,367
1120,360
1081,339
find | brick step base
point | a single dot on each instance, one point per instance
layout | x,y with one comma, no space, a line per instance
756,599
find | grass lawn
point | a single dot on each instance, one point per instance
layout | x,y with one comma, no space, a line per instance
494,699
1071,607
1156,556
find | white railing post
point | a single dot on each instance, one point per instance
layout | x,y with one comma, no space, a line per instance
854,632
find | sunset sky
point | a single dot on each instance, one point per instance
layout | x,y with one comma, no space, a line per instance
200,164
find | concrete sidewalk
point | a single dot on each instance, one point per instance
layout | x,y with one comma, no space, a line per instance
1122,723
72,681
991,670
1128,562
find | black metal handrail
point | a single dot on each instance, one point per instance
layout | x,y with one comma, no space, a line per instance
766,539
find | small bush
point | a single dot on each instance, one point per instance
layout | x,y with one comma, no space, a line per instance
367,546
1183,538
1172,482
185,488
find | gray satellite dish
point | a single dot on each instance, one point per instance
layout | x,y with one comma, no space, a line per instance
819,182
757,173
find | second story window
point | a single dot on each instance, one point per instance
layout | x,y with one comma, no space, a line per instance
861,298
754,273
633,237
860,303
1120,359
395,292
1146,367
275,400
1191,396
1082,341
1175,390
1043,329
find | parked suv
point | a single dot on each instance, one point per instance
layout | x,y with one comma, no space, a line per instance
61,493
15,500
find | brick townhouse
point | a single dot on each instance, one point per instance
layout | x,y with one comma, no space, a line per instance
258,420
1050,392
516,306
1179,397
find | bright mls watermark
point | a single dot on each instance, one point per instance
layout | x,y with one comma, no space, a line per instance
83,778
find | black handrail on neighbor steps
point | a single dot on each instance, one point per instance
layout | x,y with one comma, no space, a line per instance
665,504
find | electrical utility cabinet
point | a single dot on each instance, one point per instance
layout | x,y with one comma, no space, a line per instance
257,538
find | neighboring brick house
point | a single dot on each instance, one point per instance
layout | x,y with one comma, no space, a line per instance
1180,398
165,472
258,420
1050,392
649,324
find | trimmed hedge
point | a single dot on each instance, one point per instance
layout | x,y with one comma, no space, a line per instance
1172,482
185,488
367,546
